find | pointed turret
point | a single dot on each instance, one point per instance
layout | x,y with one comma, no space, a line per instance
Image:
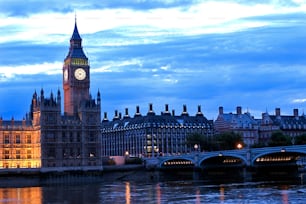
42,97
34,100
59,101
33,105
75,34
99,97
58,96
51,96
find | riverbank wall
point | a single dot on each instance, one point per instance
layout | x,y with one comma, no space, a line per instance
39,177
114,173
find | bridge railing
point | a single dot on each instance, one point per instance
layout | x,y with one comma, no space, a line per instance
248,155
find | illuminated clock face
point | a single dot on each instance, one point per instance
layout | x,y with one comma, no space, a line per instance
80,74
65,75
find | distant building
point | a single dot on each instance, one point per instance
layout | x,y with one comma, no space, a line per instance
240,123
291,125
49,140
255,131
152,135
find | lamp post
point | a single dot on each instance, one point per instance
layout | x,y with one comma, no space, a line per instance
196,146
239,146
196,155
126,157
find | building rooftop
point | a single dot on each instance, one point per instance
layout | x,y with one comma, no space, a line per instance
153,120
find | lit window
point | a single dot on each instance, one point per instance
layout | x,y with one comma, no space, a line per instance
17,154
92,152
6,154
29,154
29,140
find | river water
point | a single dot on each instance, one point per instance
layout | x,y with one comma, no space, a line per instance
179,190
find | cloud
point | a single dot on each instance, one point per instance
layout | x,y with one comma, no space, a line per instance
299,100
118,66
249,53
178,19
9,72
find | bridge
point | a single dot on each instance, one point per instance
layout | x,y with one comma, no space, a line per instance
246,157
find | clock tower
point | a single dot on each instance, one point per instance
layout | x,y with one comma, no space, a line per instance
76,81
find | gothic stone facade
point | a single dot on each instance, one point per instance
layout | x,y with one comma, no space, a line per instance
19,144
47,139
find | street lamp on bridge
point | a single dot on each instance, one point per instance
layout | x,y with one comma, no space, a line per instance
196,146
239,146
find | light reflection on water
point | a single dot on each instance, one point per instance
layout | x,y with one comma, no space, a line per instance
21,195
129,192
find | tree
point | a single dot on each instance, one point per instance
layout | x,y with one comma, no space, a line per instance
279,139
300,140
259,145
199,139
228,140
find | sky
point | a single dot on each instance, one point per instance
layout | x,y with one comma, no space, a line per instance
211,53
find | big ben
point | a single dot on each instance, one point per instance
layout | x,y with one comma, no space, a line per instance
46,139
76,81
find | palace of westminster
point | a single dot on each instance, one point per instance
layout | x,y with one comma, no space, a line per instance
79,138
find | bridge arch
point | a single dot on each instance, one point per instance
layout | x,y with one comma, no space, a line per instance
177,162
224,159
278,154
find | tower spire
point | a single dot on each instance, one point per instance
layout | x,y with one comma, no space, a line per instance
75,34
76,50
